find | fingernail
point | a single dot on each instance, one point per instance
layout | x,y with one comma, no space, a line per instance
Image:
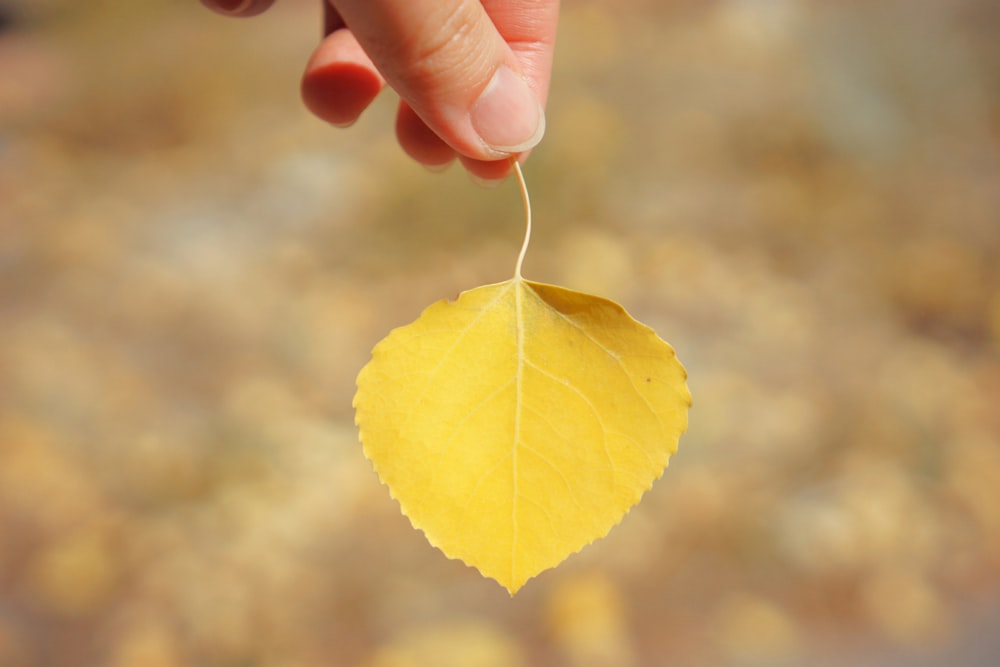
507,116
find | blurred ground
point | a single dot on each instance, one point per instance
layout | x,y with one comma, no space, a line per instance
802,197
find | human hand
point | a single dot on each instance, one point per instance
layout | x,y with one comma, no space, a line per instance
473,77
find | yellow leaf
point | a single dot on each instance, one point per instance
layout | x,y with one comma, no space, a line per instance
520,422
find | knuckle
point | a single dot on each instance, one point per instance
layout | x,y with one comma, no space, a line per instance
448,45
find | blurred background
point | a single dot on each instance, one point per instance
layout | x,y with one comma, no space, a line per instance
803,197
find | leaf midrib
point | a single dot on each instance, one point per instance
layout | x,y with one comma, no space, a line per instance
518,285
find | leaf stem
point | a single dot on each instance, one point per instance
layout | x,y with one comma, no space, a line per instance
527,219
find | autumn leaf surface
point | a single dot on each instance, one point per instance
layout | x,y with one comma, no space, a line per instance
520,422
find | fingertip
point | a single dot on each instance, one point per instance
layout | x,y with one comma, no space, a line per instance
487,173
487,183
438,168
419,141
340,81
240,8
339,92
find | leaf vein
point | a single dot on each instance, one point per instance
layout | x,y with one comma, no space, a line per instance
593,409
462,333
613,355
458,427
475,491
565,480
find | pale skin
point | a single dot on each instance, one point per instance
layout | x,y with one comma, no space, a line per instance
472,75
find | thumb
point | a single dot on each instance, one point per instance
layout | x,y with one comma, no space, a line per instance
453,66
